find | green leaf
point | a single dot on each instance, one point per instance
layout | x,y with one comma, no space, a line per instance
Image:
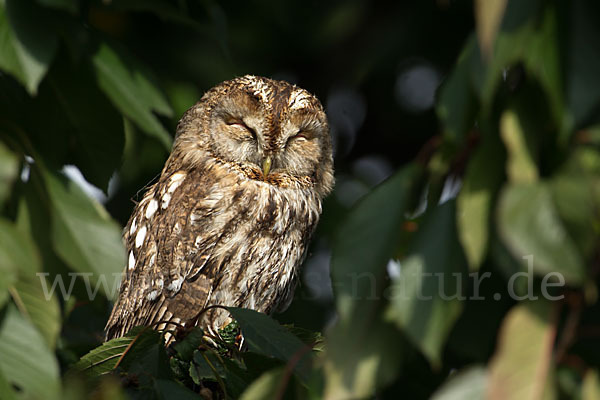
457,104
426,297
529,226
27,46
172,390
9,170
19,258
590,388
94,126
363,350
523,360
582,61
576,193
10,259
8,393
533,40
520,166
474,203
488,15
266,387
265,336
25,360
467,384
104,358
84,236
185,348
127,83
42,310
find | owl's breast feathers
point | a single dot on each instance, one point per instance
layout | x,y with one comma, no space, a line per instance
211,236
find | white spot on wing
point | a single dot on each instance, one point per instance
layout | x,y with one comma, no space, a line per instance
176,180
133,226
141,235
152,258
131,264
151,209
152,295
175,285
166,199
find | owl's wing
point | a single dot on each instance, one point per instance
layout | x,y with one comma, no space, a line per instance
171,240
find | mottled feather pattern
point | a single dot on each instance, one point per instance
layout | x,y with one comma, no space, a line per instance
215,230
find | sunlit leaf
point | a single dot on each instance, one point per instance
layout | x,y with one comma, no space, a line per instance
590,389
488,15
475,200
467,384
520,166
426,297
27,46
25,360
9,169
84,236
132,91
523,358
531,229
104,358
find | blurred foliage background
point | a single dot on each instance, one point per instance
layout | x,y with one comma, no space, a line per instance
466,150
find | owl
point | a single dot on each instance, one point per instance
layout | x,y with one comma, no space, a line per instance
230,218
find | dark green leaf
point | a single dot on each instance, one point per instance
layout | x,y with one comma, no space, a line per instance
94,127
426,296
582,61
264,335
363,350
27,46
85,237
127,84
171,390
266,387
531,229
185,348
69,5
25,360
456,105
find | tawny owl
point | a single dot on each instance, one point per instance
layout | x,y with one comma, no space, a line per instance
230,218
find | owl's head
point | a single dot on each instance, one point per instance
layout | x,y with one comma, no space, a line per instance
270,130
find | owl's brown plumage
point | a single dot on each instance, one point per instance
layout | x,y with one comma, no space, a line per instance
231,216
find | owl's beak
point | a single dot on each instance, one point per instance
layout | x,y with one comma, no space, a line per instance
266,166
